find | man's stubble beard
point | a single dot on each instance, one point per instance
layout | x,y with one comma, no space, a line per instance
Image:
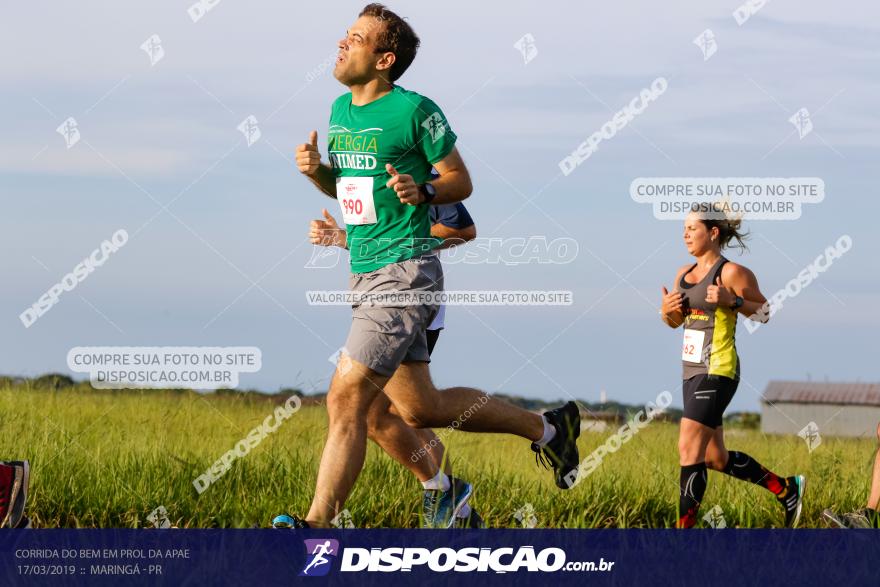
349,79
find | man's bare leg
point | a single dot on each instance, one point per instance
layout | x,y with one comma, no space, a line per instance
874,497
553,434
419,450
385,417
348,401
408,446
871,514
422,405
868,517
432,443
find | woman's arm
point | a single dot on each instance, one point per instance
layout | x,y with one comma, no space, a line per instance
736,280
671,309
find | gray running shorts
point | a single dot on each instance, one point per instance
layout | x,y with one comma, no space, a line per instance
384,336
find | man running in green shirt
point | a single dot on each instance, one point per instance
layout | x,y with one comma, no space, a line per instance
383,141
452,224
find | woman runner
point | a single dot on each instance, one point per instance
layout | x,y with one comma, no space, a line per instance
706,298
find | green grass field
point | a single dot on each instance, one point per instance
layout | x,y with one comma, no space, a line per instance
107,459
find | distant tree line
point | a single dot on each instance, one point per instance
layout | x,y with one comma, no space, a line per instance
610,411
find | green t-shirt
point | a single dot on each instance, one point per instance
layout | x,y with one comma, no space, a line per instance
406,130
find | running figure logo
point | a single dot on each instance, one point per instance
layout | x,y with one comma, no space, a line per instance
802,122
715,518
343,364
318,551
810,434
153,48
250,128
159,517
343,519
526,516
323,258
436,126
70,131
526,46
707,44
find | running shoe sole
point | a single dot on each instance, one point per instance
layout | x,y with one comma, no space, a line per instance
833,519
802,489
567,421
18,512
469,491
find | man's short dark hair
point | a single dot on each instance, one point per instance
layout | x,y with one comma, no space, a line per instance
395,37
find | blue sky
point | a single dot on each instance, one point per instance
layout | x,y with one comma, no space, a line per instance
238,215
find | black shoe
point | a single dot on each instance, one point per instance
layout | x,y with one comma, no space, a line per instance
24,523
289,522
472,521
793,499
562,452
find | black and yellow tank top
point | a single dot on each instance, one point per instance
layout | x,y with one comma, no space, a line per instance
709,330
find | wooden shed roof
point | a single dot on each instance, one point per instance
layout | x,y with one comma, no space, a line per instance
814,392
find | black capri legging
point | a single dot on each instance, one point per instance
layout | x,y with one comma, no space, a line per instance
706,397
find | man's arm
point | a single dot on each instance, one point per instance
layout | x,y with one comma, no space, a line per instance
452,224
453,185
324,180
308,160
452,237
327,233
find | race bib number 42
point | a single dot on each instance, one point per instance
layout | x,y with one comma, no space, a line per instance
355,195
692,350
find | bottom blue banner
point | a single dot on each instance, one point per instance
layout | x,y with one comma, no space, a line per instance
509,557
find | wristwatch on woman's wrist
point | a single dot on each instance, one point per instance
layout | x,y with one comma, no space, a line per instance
737,303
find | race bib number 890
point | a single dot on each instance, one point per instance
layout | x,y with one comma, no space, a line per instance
355,195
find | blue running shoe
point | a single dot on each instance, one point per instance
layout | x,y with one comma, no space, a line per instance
289,522
440,508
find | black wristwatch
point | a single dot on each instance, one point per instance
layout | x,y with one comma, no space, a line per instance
737,303
428,191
